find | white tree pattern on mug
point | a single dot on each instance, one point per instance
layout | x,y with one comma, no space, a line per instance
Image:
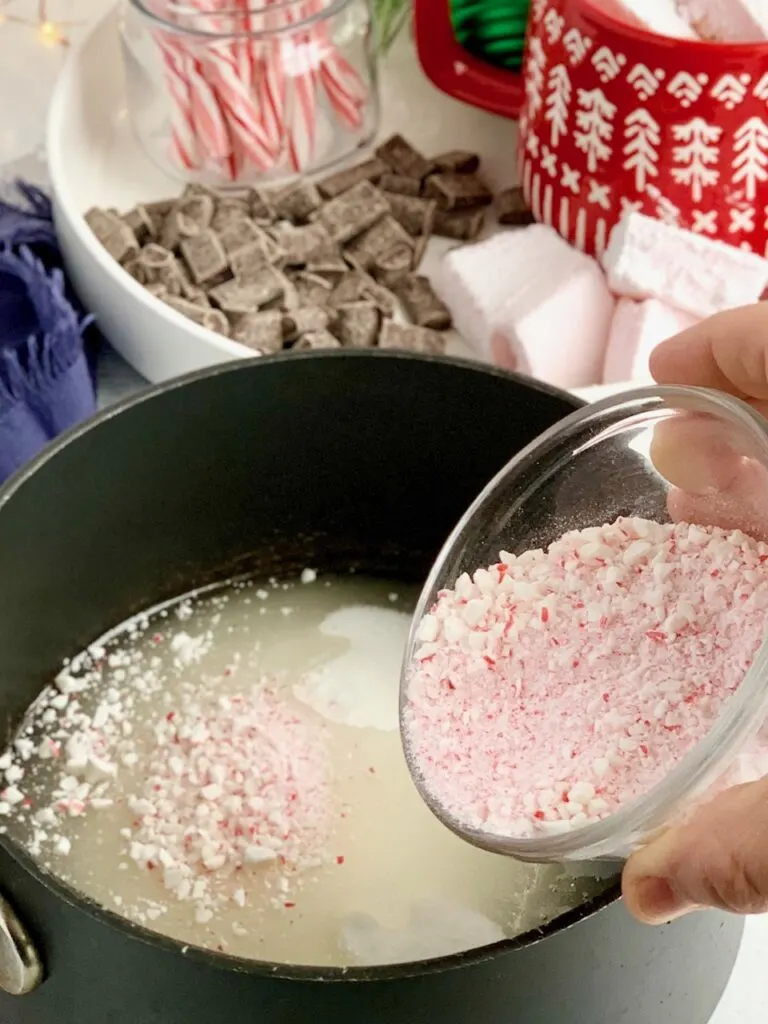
697,154
594,124
643,137
750,163
557,103
534,82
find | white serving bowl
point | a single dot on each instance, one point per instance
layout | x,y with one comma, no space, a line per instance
95,161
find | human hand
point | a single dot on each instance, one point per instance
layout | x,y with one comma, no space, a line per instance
720,857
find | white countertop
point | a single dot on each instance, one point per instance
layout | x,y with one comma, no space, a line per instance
28,71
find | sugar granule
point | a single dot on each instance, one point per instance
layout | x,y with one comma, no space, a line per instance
557,685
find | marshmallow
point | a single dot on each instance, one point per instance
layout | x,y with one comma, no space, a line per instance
528,301
637,328
731,21
661,16
648,259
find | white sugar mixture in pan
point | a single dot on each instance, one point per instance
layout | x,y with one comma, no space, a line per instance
227,770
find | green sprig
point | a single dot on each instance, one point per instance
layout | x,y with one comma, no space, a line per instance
390,17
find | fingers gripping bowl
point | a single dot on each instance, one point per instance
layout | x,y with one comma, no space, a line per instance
595,682
178,488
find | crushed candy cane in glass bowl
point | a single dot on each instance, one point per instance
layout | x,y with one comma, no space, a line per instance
232,93
587,661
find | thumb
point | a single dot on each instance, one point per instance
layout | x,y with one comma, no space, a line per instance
719,858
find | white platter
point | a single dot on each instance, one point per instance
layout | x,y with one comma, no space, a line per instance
95,161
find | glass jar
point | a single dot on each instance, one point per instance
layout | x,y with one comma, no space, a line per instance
228,93
661,454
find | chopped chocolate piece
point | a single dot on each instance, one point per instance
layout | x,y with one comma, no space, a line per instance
381,297
229,210
299,244
114,234
359,287
457,161
157,213
330,264
419,250
357,324
260,207
240,233
197,295
513,209
238,297
349,289
155,265
306,318
402,158
262,331
463,226
316,340
187,308
189,216
180,283
353,211
297,202
411,339
193,189
383,236
249,260
140,223
213,319
289,299
354,263
342,181
400,183
422,304
391,267
311,289
414,214
458,191
204,256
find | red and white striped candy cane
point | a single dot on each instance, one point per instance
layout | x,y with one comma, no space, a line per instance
299,61
268,81
235,93
184,142
344,87
346,106
199,135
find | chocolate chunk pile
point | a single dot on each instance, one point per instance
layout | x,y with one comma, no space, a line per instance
312,265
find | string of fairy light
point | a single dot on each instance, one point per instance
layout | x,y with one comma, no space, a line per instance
48,32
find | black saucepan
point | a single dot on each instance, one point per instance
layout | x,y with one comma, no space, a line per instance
326,459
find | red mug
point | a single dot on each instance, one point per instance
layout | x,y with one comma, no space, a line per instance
617,118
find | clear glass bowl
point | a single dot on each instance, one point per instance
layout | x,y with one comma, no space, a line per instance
249,92
623,456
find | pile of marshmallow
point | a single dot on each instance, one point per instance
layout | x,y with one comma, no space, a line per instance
528,301
728,21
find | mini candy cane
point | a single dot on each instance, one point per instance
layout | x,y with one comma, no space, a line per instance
267,79
207,114
183,131
223,61
250,100
298,60
343,86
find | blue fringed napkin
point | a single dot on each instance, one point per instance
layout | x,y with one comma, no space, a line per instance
45,381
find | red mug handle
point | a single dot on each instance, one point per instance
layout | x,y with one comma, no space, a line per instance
454,71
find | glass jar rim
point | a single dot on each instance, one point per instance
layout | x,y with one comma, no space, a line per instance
596,840
231,14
